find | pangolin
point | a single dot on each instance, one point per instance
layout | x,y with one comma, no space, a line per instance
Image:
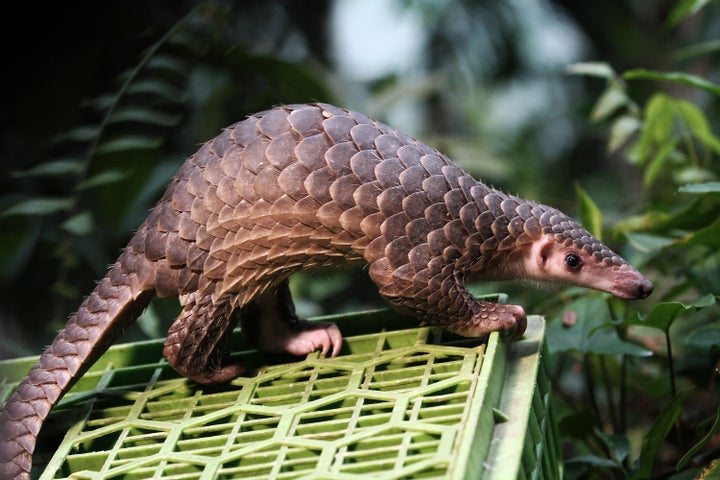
302,186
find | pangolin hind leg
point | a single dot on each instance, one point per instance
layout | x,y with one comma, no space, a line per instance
270,323
195,345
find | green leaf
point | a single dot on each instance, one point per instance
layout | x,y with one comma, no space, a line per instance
685,8
55,168
701,444
648,243
708,236
658,125
168,63
704,339
622,129
664,314
700,211
658,162
698,124
693,117
104,178
710,140
592,69
609,102
594,460
157,88
698,49
674,77
590,215
101,103
619,445
144,115
128,143
80,224
655,438
707,187
38,206
79,134
645,221
688,174
659,118
587,336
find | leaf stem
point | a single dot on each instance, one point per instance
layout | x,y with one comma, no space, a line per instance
612,413
590,385
671,364
623,394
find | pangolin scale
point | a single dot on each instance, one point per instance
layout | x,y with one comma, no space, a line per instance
302,186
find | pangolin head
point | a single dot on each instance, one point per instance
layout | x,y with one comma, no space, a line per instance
520,239
567,252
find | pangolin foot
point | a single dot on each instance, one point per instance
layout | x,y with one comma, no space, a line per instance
305,337
492,317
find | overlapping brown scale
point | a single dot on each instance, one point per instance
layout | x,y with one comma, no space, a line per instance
329,217
366,195
436,215
305,121
417,231
338,127
455,200
390,200
244,132
568,232
435,187
266,185
275,122
409,155
338,158
279,151
433,164
311,151
342,191
318,183
388,172
415,204
361,119
453,176
351,219
363,165
412,179
253,155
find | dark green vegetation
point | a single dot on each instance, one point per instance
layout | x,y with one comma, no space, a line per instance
593,107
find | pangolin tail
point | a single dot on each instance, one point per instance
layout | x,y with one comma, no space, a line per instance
101,318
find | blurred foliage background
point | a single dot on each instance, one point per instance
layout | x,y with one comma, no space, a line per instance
589,106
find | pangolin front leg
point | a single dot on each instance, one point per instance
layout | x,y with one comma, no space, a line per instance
443,301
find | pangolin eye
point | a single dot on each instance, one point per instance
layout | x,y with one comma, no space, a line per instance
573,262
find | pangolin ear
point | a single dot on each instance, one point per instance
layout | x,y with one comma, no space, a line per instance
543,253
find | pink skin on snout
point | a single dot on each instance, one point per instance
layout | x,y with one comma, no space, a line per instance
550,261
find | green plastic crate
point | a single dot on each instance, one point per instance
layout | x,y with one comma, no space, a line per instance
402,403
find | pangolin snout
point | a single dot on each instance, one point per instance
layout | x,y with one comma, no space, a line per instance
630,284
644,289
